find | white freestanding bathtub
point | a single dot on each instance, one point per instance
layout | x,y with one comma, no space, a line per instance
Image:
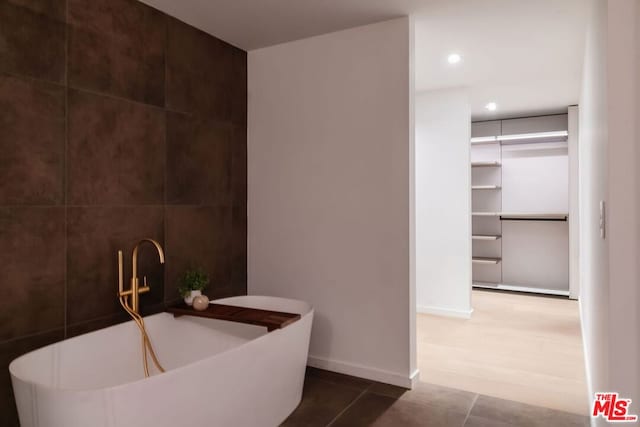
218,373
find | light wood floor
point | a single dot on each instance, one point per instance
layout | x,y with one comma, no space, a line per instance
516,346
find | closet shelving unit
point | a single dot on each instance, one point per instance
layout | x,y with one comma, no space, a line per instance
486,189
489,194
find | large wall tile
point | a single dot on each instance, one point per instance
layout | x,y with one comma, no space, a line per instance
239,250
116,151
94,235
199,237
32,38
200,72
9,351
32,142
198,161
238,89
117,46
33,270
239,166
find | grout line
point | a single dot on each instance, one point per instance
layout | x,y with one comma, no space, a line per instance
130,100
115,97
165,237
130,205
31,79
64,84
32,335
97,319
27,206
65,177
475,399
166,61
349,405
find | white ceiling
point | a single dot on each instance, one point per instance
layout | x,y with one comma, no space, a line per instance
526,55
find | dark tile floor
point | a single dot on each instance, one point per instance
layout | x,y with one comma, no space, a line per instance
336,400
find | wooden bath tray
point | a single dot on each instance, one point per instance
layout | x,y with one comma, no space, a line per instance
270,319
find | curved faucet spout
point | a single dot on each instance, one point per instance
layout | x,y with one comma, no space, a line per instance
135,283
134,258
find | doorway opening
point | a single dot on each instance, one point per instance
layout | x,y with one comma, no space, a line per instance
496,209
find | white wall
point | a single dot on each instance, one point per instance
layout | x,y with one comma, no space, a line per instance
608,156
594,296
623,189
329,147
443,202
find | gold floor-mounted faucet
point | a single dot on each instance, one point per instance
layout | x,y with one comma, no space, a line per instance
133,294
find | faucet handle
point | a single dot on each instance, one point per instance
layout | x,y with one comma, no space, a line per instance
145,287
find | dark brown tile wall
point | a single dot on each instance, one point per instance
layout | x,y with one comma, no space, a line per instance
116,151
195,59
201,172
31,157
33,34
196,236
118,47
33,276
117,122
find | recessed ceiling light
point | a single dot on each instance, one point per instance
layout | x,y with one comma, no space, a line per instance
492,106
454,58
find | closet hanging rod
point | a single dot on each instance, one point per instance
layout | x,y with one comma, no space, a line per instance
507,218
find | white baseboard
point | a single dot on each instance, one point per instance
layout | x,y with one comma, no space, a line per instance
448,312
366,372
415,378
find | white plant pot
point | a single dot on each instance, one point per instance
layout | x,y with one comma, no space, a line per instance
189,298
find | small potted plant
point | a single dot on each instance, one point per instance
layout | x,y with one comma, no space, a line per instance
192,284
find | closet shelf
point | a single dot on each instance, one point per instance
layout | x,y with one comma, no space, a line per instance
485,187
485,237
485,164
553,136
485,213
485,260
481,140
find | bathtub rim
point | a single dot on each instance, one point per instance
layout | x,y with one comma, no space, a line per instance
176,371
